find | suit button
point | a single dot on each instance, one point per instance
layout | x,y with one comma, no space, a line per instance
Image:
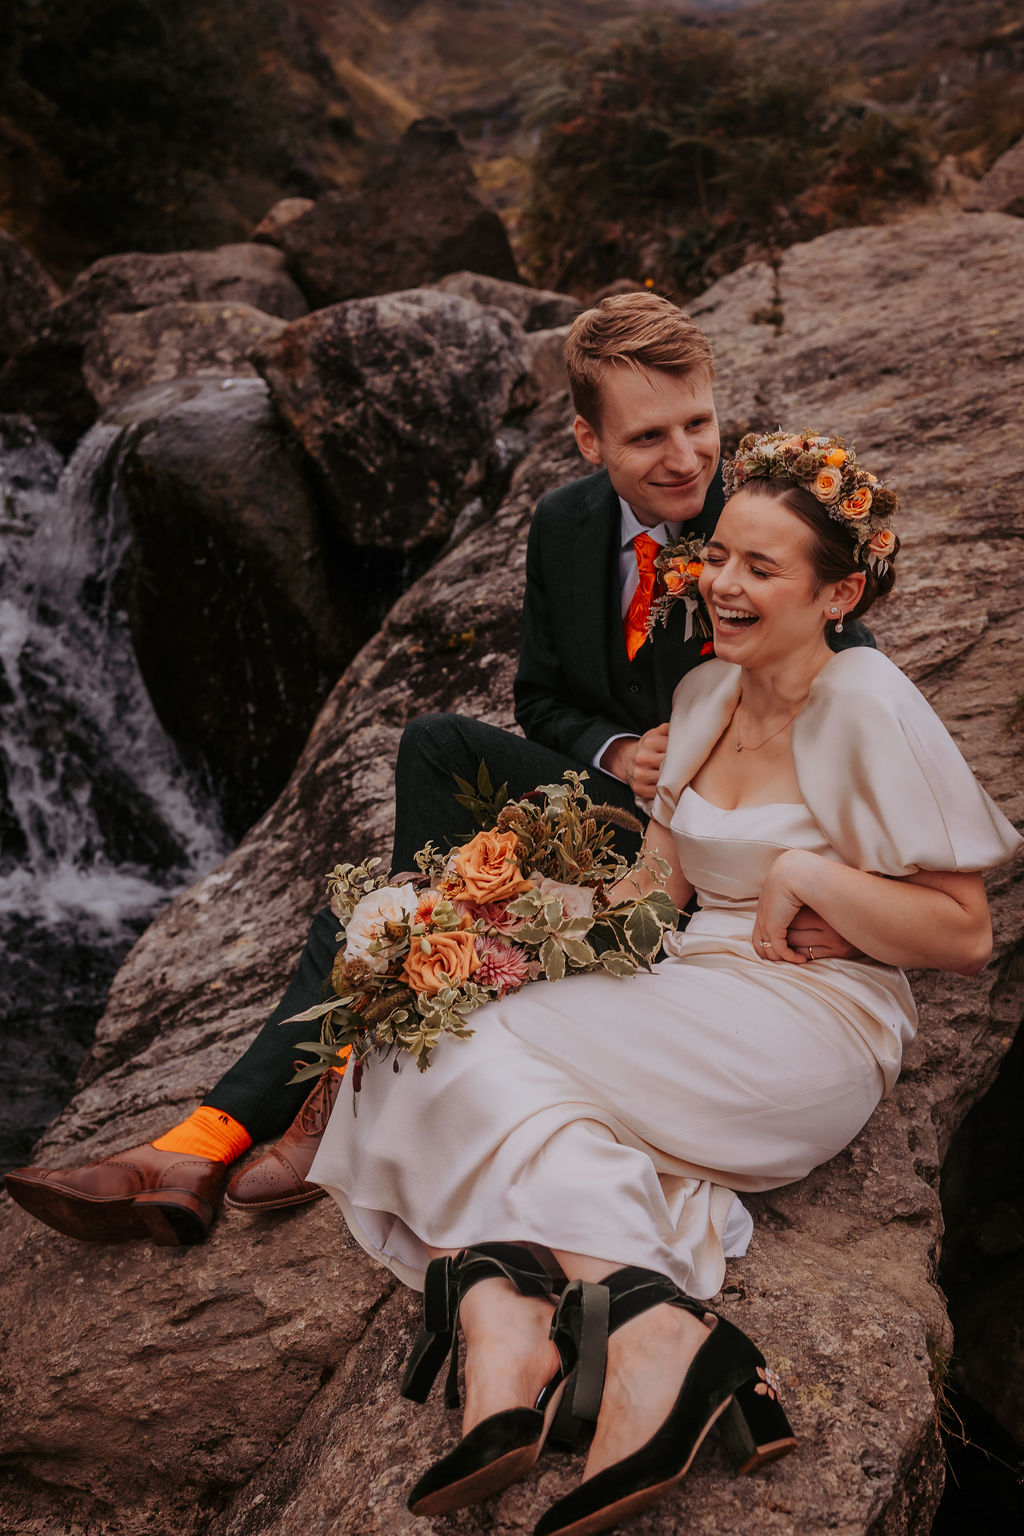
634,687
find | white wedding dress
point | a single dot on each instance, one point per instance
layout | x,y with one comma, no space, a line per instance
617,1117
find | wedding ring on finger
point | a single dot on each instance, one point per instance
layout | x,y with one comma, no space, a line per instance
810,951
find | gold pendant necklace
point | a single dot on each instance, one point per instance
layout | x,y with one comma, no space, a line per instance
743,747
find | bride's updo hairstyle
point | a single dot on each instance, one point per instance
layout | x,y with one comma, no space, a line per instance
847,510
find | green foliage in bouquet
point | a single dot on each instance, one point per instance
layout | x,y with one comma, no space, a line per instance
539,894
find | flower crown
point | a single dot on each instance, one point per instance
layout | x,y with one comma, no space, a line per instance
830,471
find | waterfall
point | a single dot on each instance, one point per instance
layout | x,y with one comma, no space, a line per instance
100,823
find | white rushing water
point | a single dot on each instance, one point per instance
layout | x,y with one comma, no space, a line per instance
99,822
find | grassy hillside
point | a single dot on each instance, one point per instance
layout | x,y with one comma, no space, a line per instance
958,63
155,124
159,124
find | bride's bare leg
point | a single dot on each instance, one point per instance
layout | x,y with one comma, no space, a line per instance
509,1356
647,1360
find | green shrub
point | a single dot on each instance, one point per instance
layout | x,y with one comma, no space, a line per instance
675,151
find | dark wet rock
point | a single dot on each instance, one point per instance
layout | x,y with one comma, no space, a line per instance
418,214
45,379
56,978
26,294
170,341
536,309
397,401
244,606
135,1405
982,1268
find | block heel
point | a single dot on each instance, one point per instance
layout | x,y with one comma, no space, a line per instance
727,1381
755,1427
502,1448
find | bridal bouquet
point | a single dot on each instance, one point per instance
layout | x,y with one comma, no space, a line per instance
526,899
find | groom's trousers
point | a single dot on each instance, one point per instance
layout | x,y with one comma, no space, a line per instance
256,1091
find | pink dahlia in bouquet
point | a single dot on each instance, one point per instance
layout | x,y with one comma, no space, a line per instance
533,897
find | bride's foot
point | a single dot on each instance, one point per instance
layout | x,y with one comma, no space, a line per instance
673,1371
500,1296
509,1354
648,1358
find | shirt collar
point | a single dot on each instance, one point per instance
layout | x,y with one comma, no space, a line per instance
630,526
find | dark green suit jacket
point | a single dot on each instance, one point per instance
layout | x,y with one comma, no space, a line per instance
575,687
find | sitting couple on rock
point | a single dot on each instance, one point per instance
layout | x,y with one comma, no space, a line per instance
563,1185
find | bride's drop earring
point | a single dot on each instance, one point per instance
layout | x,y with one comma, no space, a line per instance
839,621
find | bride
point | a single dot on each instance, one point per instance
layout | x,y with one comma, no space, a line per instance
586,1145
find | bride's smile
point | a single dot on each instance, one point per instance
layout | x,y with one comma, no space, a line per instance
764,594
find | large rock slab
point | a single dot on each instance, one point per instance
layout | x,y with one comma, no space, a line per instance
172,341
26,294
260,1371
243,611
419,213
397,401
45,378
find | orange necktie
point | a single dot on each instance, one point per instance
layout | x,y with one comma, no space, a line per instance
634,625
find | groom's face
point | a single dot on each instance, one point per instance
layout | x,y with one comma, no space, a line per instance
658,439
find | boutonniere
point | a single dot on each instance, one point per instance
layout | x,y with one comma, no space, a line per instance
678,569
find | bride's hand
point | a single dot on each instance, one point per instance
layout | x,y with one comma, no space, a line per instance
780,902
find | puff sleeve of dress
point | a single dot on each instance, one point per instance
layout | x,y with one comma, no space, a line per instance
884,779
702,706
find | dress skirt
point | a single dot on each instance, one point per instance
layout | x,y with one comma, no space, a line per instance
616,1117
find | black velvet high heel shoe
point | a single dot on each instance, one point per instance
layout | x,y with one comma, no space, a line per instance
502,1448
727,1377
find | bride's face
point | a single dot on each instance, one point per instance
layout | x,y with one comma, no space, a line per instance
759,583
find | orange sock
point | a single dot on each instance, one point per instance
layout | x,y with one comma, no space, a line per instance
207,1133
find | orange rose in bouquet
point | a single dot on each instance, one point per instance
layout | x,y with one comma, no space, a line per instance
488,867
452,959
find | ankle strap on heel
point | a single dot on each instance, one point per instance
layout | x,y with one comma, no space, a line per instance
579,1330
446,1282
633,1290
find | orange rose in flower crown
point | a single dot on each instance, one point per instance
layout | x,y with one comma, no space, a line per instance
828,484
859,504
883,543
489,869
832,473
452,958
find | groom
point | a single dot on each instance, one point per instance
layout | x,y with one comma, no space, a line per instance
591,692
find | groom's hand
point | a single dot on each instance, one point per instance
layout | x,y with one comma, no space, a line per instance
637,760
808,932
785,929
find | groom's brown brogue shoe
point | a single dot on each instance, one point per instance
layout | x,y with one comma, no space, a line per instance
279,1177
142,1194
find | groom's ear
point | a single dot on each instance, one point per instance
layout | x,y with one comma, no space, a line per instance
588,441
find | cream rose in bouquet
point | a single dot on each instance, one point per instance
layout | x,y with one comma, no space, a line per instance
526,899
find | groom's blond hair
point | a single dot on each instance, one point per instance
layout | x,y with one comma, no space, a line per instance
634,330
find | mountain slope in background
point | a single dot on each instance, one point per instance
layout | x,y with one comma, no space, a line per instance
164,126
